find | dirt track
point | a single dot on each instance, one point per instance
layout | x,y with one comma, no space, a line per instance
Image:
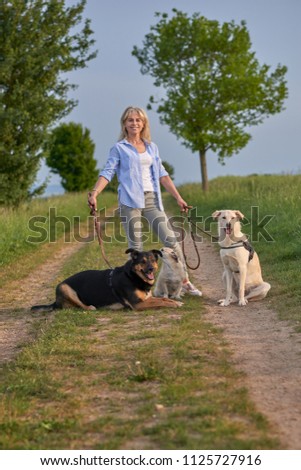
266,349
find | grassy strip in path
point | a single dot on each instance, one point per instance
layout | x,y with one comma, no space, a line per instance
125,380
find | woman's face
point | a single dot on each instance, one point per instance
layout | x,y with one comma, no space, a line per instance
134,125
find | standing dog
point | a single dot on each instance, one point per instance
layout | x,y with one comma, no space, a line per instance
171,276
125,286
242,271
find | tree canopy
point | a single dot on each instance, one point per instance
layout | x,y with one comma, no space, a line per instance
40,41
71,156
215,88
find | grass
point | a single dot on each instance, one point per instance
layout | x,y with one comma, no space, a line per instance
153,380
122,381
34,232
43,221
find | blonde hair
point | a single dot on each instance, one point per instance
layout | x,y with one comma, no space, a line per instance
145,133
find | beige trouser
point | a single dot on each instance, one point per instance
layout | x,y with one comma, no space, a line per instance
132,220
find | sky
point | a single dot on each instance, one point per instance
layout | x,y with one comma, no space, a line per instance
113,81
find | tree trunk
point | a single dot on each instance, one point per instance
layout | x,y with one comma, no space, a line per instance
205,184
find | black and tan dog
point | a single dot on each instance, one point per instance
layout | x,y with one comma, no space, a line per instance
125,286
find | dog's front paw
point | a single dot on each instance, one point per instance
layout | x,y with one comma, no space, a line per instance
172,303
242,302
91,307
224,302
176,297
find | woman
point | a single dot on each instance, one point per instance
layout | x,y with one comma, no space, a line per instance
136,161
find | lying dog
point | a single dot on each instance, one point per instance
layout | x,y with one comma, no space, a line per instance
171,276
242,271
125,286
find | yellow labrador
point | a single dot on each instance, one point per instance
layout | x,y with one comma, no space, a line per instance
242,271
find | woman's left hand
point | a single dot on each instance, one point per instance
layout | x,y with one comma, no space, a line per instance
183,205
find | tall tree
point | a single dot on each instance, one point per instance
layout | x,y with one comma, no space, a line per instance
215,87
71,156
40,41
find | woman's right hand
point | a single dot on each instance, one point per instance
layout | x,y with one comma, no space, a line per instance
92,201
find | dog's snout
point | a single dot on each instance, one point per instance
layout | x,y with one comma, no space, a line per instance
228,228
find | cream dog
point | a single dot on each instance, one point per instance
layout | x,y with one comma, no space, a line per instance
242,271
171,276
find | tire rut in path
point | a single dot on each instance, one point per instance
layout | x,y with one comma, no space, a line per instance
15,316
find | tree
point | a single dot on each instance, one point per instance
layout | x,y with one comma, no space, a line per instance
71,156
215,87
37,49
169,168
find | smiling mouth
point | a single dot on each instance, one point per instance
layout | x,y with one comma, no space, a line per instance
150,275
228,229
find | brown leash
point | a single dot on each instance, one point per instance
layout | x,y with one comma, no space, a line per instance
97,227
193,268
208,234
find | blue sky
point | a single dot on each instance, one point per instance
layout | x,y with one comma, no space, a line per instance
113,81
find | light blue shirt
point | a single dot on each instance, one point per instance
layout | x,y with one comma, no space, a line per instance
124,161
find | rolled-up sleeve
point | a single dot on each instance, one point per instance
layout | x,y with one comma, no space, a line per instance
162,171
111,165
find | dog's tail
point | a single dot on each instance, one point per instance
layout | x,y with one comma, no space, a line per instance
44,308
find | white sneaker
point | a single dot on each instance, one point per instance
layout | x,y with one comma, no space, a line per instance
189,288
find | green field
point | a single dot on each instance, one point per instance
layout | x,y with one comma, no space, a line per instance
156,380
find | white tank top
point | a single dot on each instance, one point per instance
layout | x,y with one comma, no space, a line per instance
146,163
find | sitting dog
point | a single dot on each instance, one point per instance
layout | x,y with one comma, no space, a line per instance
242,271
171,276
125,286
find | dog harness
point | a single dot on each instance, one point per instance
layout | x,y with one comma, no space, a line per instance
117,297
243,243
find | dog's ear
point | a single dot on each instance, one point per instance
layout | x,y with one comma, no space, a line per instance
157,253
239,215
216,214
174,256
134,253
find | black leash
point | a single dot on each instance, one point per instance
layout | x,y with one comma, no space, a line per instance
212,237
